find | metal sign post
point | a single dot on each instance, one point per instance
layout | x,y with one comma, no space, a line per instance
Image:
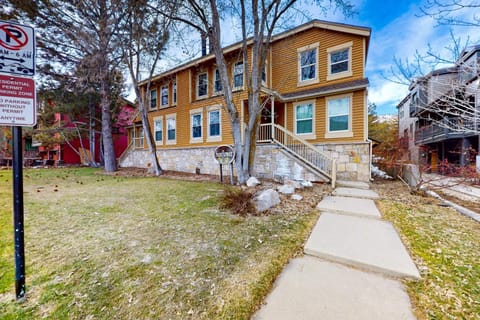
17,109
18,211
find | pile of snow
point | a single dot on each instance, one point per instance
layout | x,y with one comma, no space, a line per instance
379,173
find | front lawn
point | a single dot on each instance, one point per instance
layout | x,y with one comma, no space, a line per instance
110,247
445,246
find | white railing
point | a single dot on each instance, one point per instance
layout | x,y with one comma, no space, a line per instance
300,148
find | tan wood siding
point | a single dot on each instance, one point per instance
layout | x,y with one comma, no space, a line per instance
285,59
282,75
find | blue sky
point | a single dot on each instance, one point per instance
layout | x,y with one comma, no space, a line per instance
399,29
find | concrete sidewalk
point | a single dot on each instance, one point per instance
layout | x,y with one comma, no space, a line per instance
351,268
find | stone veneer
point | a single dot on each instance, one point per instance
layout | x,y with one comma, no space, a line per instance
353,161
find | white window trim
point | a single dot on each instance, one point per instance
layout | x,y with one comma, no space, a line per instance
192,113
344,133
150,100
198,86
210,109
215,92
233,76
174,90
167,117
343,74
311,135
155,119
161,96
301,82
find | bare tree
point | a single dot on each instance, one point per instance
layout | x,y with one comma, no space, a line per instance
453,12
448,98
144,36
258,20
405,70
74,32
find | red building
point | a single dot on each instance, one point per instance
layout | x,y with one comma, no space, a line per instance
84,144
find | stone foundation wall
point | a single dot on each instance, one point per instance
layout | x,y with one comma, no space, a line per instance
353,161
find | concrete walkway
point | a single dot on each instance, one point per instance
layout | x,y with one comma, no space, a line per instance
352,266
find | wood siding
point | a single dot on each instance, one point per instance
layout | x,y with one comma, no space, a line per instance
282,77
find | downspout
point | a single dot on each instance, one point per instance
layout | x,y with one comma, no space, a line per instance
370,146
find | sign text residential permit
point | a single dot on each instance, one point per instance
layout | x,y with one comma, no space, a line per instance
17,101
17,49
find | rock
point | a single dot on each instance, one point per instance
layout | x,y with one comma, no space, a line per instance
252,182
306,184
296,197
266,199
286,189
295,184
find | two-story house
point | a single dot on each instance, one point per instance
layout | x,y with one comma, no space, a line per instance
444,111
315,114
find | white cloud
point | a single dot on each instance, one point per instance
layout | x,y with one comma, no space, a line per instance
386,93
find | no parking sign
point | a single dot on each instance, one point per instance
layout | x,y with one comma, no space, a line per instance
17,49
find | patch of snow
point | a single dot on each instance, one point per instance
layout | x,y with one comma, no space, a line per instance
379,173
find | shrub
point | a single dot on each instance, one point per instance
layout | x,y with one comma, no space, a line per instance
237,201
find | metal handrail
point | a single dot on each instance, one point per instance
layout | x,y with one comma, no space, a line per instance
297,146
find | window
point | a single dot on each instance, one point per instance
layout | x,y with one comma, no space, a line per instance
196,123
164,96
307,64
214,124
264,74
153,99
339,62
158,127
304,118
339,117
217,82
174,93
202,85
171,129
238,75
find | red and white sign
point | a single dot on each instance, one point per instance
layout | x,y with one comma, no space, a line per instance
17,49
17,101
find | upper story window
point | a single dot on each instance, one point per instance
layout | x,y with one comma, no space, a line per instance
153,99
308,64
339,116
164,96
202,85
238,75
217,82
174,93
264,75
339,61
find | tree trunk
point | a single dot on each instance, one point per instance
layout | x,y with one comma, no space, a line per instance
108,148
150,142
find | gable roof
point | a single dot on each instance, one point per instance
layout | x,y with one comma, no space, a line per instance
321,24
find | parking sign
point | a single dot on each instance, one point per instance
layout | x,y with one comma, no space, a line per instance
17,49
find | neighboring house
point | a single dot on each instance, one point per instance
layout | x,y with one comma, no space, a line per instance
406,131
78,150
314,121
444,107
